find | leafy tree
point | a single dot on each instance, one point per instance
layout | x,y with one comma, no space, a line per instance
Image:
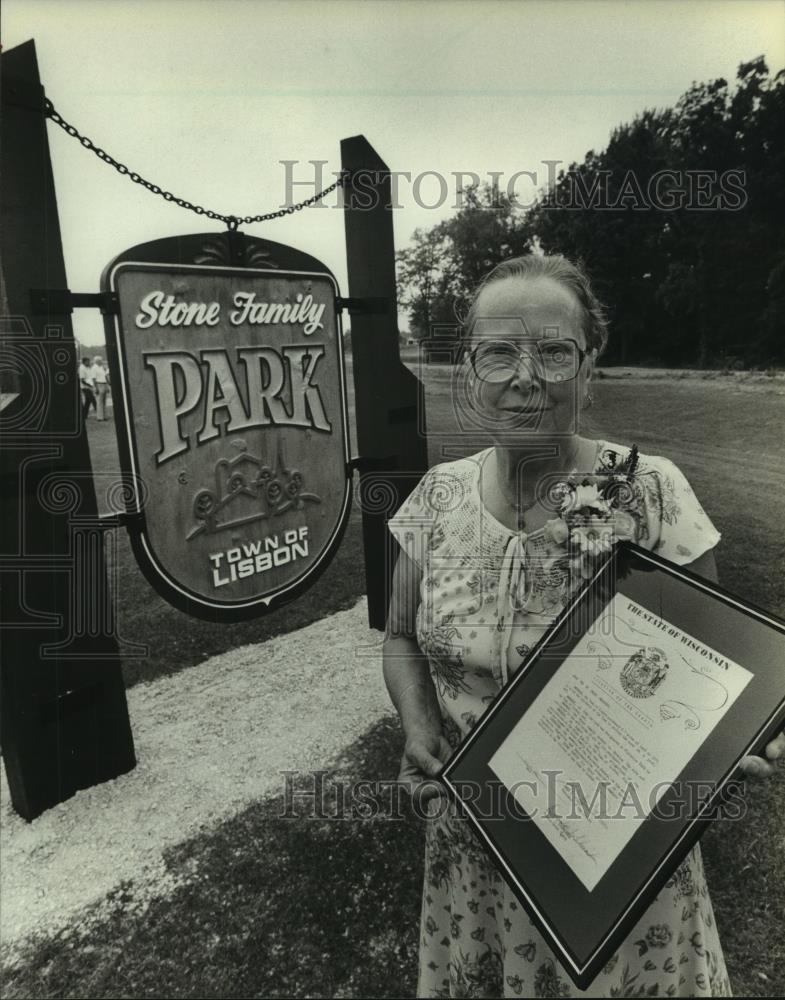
421,279
441,268
680,220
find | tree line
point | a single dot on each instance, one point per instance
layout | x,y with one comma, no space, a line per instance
680,222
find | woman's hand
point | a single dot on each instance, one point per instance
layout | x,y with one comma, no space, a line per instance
424,753
758,767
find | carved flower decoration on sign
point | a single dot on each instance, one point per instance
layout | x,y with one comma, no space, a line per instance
219,251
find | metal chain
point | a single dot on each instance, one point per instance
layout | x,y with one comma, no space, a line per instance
232,221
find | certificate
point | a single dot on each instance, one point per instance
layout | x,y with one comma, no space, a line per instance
612,730
597,767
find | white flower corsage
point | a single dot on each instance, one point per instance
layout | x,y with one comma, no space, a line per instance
594,513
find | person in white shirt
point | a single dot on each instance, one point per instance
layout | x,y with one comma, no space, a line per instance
87,387
100,378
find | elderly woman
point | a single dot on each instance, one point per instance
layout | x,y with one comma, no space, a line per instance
459,626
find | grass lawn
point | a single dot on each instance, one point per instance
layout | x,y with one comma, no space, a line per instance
269,906
274,906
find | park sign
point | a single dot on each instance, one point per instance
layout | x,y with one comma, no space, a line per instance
66,729
232,422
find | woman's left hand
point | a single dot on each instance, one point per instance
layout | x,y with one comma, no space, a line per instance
758,767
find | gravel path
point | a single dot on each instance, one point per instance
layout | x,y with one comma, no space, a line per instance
209,741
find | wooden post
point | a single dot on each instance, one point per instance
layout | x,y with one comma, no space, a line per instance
388,397
64,715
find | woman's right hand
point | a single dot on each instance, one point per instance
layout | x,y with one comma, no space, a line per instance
425,752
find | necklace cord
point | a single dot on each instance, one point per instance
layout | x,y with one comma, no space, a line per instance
521,508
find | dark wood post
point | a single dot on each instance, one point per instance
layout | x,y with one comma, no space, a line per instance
388,397
64,715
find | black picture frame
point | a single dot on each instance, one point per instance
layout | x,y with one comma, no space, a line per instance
585,927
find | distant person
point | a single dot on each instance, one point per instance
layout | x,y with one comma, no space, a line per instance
87,387
100,378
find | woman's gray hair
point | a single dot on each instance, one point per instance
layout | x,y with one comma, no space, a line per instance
569,275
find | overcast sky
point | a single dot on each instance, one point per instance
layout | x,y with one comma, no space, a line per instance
206,98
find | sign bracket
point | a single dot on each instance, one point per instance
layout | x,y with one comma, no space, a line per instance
368,463
120,519
62,301
363,305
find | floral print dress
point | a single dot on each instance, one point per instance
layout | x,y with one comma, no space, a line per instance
476,940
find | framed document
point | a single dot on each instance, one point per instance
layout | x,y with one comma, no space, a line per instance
597,767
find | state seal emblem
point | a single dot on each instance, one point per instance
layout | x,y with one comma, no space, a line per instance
643,673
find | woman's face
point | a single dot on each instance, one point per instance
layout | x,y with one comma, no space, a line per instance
532,394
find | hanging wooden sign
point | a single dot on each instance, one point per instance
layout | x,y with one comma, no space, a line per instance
232,420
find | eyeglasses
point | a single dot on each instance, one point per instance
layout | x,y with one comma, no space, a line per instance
554,360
